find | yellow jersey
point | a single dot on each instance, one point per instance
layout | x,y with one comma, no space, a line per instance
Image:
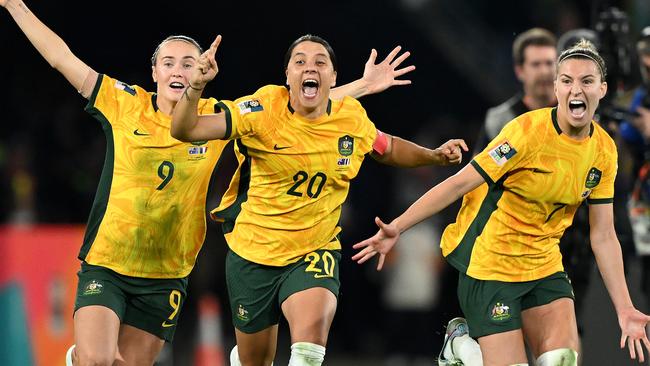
509,228
293,176
148,217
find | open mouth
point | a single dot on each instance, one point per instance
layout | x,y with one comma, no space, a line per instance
578,108
177,85
310,88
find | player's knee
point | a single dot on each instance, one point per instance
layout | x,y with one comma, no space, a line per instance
234,357
86,357
306,354
558,357
252,359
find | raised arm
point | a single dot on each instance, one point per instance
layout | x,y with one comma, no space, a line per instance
52,48
404,153
432,202
607,251
376,77
187,125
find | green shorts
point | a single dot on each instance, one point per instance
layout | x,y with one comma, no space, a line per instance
492,307
150,304
257,291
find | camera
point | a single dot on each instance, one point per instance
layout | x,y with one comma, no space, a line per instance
612,28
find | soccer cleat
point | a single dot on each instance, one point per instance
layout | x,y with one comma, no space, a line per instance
457,327
68,356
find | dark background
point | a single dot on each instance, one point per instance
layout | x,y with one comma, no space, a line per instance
462,50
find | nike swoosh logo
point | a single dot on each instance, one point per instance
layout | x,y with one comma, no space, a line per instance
276,147
138,133
165,325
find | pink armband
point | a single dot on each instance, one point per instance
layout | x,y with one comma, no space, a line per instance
380,144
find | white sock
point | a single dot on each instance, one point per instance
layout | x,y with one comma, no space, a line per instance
558,357
68,356
234,357
466,349
306,354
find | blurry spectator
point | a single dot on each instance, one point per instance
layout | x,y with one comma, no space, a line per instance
534,54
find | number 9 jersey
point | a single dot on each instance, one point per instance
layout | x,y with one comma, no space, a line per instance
148,217
293,176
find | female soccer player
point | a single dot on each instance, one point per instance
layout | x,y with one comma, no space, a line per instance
298,152
147,223
520,194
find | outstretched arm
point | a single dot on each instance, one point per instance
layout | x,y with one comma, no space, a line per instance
404,153
432,202
376,77
607,251
52,48
187,125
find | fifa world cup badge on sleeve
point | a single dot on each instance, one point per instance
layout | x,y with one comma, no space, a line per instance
502,153
248,106
125,87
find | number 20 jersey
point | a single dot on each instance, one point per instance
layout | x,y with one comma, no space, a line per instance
293,176
148,218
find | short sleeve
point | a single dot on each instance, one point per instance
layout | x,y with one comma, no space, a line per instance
601,177
505,152
111,99
245,116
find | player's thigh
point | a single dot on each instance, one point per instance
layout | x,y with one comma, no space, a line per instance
99,308
96,331
310,314
493,313
137,347
308,295
548,315
258,348
551,326
506,348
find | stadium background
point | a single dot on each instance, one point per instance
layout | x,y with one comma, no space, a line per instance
51,151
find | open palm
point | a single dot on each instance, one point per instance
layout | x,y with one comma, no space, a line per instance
381,243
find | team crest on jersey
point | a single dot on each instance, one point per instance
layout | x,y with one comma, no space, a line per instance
242,313
346,145
500,311
248,106
125,87
502,153
593,178
93,287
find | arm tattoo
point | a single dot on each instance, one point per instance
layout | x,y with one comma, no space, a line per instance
186,95
23,7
